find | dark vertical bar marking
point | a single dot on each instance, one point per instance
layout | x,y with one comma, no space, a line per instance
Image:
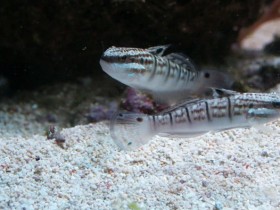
154,120
170,118
193,75
142,61
168,70
188,114
229,108
155,68
207,111
179,73
187,72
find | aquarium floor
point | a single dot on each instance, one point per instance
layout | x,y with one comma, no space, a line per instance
236,169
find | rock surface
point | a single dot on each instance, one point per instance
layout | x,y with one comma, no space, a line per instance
58,40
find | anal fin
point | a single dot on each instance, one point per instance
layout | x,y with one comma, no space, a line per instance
183,134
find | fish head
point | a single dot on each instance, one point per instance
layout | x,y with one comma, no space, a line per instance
127,65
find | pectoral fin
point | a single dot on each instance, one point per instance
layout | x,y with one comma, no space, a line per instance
171,97
220,92
158,50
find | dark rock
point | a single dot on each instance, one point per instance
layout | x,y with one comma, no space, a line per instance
4,86
57,40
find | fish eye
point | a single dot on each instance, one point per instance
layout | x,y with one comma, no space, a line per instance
276,104
251,105
159,50
123,58
139,119
206,75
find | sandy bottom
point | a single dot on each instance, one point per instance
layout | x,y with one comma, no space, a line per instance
235,169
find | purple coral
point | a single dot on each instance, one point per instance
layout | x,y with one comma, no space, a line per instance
133,101
136,101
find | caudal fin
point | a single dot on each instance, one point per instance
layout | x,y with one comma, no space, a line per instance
130,130
216,79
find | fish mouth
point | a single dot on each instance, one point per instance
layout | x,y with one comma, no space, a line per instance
104,64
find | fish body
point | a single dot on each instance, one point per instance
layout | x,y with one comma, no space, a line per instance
168,78
197,117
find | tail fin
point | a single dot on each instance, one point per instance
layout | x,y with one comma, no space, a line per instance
130,130
217,79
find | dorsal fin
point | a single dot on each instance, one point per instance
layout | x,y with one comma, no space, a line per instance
219,92
158,50
181,59
189,101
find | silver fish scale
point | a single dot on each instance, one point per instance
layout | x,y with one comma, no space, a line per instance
213,110
118,52
170,74
157,67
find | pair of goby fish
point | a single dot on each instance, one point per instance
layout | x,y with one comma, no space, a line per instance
175,75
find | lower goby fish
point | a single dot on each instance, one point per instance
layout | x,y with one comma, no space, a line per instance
169,78
227,110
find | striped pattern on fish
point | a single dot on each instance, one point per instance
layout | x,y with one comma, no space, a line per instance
197,117
165,77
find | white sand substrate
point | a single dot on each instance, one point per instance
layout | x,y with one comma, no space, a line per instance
235,169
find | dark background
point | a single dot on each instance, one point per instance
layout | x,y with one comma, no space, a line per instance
46,42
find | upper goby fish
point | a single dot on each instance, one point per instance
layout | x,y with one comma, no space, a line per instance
226,110
169,78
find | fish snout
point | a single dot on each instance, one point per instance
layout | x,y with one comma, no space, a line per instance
104,57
